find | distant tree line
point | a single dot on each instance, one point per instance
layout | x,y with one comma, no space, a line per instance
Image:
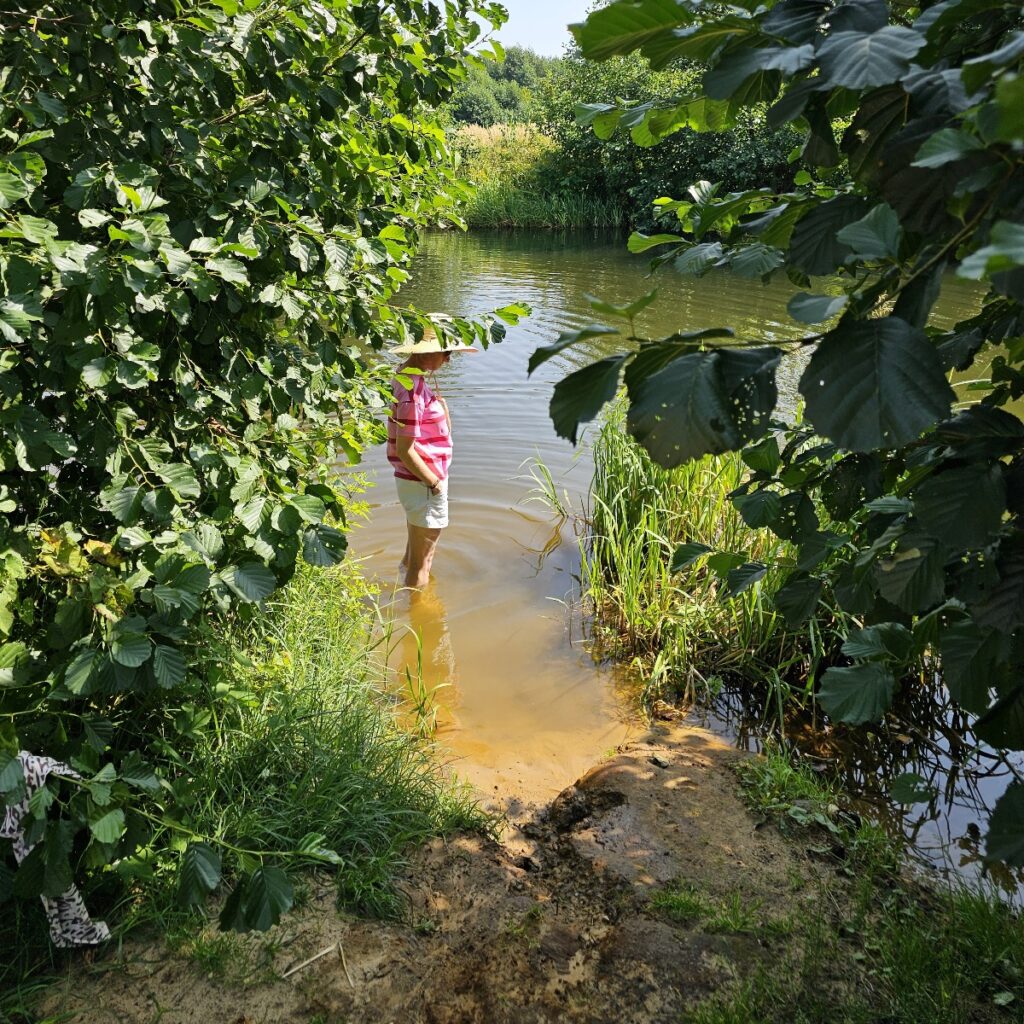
525,88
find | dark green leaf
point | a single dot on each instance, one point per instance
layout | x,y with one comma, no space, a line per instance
969,660
858,693
759,508
744,576
814,248
1005,839
875,384
686,554
579,397
107,828
859,60
798,598
875,236
131,649
887,640
962,507
323,545
912,578
251,581
199,874
565,340
813,309
168,666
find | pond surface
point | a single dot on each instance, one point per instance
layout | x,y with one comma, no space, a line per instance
497,639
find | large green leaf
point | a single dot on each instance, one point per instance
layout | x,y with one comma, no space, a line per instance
813,309
566,340
323,545
624,26
258,901
875,236
199,873
969,660
704,402
168,666
875,384
1005,839
860,60
912,578
579,397
107,827
964,506
131,649
738,66
798,598
251,581
814,247
858,693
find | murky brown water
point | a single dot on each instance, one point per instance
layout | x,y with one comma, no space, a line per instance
520,703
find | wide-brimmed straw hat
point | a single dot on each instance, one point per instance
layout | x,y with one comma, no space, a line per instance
430,342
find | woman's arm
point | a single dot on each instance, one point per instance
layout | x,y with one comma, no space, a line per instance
413,461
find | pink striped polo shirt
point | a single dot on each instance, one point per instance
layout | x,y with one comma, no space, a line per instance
417,413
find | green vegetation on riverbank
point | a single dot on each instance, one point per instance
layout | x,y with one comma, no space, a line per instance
510,167
685,620
901,951
294,748
535,165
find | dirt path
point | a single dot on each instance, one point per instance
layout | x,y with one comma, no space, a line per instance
555,924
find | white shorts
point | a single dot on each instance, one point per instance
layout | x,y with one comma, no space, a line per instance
422,506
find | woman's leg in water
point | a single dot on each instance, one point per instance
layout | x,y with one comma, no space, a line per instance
422,545
404,563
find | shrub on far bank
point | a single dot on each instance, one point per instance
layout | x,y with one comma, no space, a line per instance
511,166
749,155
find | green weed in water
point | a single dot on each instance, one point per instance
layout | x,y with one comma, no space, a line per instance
681,624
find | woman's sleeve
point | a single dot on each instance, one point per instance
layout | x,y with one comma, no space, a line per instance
409,415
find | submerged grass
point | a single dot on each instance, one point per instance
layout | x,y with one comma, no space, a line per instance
296,738
679,624
884,947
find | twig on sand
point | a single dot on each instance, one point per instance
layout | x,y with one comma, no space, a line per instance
312,959
341,955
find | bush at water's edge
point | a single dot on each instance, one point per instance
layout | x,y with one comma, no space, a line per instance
295,737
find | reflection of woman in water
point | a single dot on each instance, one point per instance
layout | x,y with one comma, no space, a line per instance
420,450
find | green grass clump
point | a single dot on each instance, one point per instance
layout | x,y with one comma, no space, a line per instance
681,625
289,735
309,744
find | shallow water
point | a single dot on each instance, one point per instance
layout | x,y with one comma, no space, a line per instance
519,701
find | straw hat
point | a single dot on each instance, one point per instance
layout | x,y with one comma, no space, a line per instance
430,342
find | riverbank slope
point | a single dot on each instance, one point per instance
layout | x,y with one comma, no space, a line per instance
647,892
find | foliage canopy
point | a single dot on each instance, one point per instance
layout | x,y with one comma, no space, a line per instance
921,494
201,208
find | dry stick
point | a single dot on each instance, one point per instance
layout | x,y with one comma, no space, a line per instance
341,953
306,963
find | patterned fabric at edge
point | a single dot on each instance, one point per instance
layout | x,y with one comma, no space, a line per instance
70,924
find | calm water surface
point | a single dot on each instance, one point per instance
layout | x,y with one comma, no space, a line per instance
521,703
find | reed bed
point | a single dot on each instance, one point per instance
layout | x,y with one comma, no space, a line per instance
681,627
516,185
506,205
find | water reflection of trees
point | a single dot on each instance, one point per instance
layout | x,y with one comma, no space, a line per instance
965,776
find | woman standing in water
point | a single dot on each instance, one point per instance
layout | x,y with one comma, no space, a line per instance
420,451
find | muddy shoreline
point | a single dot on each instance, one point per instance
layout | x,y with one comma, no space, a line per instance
552,923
